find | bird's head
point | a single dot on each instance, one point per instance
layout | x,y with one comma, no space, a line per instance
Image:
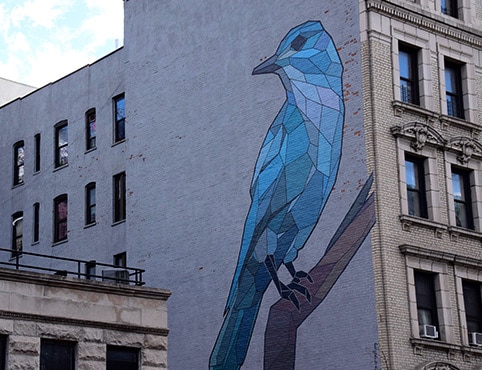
306,50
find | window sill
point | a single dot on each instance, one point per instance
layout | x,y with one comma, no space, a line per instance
60,167
90,150
408,222
455,231
420,344
118,142
90,225
118,222
54,244
18,185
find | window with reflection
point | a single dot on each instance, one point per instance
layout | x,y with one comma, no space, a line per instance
473,306
415,179
426,298
57,355
17,233
122,358
91,128
453,89
60,218
119,197
61,144
449,7
462,197
119,118
408,62
18,163
90,203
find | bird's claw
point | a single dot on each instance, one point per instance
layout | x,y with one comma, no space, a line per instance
301,275
290,295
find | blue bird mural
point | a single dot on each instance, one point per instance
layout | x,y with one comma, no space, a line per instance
294,175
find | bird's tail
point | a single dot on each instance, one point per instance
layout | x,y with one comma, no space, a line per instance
233,340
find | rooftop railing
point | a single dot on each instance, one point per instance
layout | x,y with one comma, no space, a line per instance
82,269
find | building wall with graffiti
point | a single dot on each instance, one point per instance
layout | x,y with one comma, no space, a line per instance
248,192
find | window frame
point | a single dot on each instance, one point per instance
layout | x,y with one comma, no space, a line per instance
454,97
465,200
90,129
60,223
420,188
19,163
119,118
119,197
17,234
451,8
61,148
90,204
71,347
37,148
412,79
115,364
36,223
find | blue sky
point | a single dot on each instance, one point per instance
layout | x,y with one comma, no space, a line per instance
43,40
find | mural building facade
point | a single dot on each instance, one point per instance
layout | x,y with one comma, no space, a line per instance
303,176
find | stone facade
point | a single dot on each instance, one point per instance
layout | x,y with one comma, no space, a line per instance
91,315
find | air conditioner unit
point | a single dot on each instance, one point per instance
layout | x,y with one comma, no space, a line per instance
116,276
428,331
475,339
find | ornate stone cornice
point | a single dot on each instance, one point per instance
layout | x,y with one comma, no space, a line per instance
424,21
467,147
420,133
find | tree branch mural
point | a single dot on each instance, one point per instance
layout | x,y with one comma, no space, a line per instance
284,318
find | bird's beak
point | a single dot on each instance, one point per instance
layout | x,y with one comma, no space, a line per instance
268,66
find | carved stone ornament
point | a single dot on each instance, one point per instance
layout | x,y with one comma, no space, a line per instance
420,133
466,147
438,365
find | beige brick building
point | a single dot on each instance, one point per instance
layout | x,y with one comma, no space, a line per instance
422,78
57,322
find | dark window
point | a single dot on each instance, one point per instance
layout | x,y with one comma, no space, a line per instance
90,203
57,355
453,89
37,153
416,192
408,61
36,222
473,306
90,270
60,218
17,233
462,198
120,118
90,129
119,197
426,299
120,259
18,163
3,351
61,144
122,358
449,7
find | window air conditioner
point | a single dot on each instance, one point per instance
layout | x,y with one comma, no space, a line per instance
475,339
428,331
116,276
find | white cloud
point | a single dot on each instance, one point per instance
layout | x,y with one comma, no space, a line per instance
41,13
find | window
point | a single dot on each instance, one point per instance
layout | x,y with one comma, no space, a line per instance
426,299
408,63
57,355
18,163
17,233
60,218
415,179
90,203
449,7
462,198
36,222
122,358
120,118
61,143
120,259
119,197
37,152
473,306
3,351
90,129
453,89
90,270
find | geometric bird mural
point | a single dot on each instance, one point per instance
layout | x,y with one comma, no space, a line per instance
294,175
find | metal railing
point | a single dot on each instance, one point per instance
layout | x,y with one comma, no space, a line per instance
117,274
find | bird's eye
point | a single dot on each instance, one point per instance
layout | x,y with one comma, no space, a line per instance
298,43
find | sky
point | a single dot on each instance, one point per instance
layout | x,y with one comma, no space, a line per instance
43,40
